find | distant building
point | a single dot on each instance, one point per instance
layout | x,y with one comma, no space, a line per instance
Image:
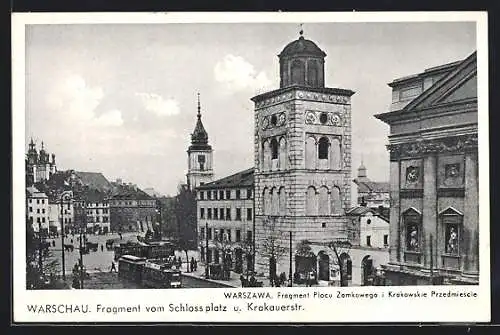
152,192
371,193
433,146
95,205
131,209
37,205
225,219
40,165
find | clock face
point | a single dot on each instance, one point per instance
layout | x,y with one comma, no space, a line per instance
412,174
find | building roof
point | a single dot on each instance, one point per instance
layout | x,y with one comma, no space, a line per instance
91,195
301,46
243,178
33,191
427,72
381,212
94,180
130,192
372,186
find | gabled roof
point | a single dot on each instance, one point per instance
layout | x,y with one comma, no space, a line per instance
91,195
243,178
381,212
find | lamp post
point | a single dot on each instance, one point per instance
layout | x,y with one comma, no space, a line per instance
206,249
62,239
290,280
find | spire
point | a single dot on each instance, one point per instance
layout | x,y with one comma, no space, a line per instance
301,32
362,175
199,137
199,106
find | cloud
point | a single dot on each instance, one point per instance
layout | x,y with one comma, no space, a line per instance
237,74
112,118
159,106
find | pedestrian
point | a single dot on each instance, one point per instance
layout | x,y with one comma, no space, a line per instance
195,265
53,243
113,267
102,247
192,264
71,241
179,262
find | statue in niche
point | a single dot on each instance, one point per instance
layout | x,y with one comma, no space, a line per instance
452,174
413,243
452,245
412,174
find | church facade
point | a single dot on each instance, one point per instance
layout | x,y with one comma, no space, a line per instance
433,144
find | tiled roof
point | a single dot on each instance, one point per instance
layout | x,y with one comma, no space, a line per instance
243,178
91,195
381,212
129,192
94,180
373,186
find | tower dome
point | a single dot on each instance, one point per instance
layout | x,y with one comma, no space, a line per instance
362,175
199,137
302,63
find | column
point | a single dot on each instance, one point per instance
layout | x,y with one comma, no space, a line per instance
395,224
470,263
429,214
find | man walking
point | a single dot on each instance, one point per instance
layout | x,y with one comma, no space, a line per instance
113,267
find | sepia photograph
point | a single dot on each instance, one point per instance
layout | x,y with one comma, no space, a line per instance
319,157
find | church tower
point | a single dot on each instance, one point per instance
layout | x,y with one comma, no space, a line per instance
200,155
302,158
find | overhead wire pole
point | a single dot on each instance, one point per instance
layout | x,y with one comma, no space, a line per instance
62,238
83,223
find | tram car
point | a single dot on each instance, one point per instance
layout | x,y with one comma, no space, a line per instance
158,274
150,250
131,268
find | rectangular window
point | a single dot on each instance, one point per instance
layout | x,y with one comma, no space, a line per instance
238,194
38,210
238,235
229,235
221,213
368,241
202,213
202,195
216,214
249,235
228,194
209,231
43,210
69,220
98,219
249,193
221,195
43,220
386,240
37,220
209,195
37,201
29,201
249,214
215,195
31,209
228,213
43,201
238,214
209,214
202,233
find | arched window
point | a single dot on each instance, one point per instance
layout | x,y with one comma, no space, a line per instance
323,145
323,203
311,201
274,201
336,159
274,149
282,201
267,155
298,72
312,73
310,153
282,158
336,201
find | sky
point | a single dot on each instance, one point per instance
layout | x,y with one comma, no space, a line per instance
121,98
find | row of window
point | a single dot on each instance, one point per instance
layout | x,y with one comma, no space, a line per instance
223,194
97,211
222,234
97,219
224,214
38,201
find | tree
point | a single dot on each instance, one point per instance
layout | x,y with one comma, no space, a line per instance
223,244
247,249
339,247
185,211
271,247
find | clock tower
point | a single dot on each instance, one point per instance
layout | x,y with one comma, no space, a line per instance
302,161
200,155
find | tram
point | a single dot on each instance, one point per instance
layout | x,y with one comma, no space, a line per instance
131,267
162,249
159,274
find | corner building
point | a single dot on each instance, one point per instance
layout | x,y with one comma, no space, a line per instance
434,220
302,159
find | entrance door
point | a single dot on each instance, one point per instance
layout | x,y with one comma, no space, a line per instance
367,270
324,266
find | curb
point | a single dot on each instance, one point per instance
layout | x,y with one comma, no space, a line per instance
209,280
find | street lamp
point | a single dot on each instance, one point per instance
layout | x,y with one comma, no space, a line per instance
65,196
206,250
